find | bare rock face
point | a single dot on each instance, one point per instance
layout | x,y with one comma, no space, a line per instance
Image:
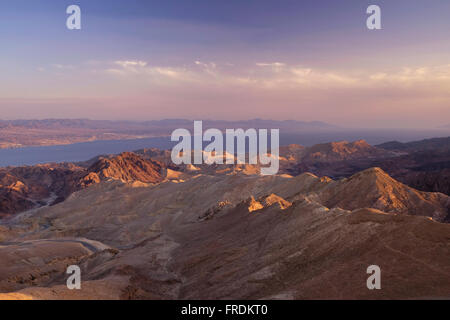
423,165
273,199
374,188
336,159
128,166
254,205
25,188
343,150
267,201
308,238
89,179
332,152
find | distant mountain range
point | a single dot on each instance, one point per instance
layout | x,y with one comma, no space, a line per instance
19,133
125,125
437,144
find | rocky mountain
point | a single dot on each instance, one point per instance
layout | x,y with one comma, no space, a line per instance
374,188
440,144
332,152
163,156
127,166
233,236
25,188
422,165
30,187
339,151
328,158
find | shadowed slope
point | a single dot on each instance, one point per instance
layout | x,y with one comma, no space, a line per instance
374,188
198,240
128,166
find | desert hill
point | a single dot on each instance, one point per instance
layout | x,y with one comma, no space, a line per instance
327,158
332,151
198,239
127,166
25,188
423,145
423,165
374,188
343,150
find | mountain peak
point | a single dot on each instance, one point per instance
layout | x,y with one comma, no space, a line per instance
267,201
374,188
373,172
128,166
341,150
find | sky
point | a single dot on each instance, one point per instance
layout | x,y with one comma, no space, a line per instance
228,60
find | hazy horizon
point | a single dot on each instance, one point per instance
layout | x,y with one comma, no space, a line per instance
332,126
